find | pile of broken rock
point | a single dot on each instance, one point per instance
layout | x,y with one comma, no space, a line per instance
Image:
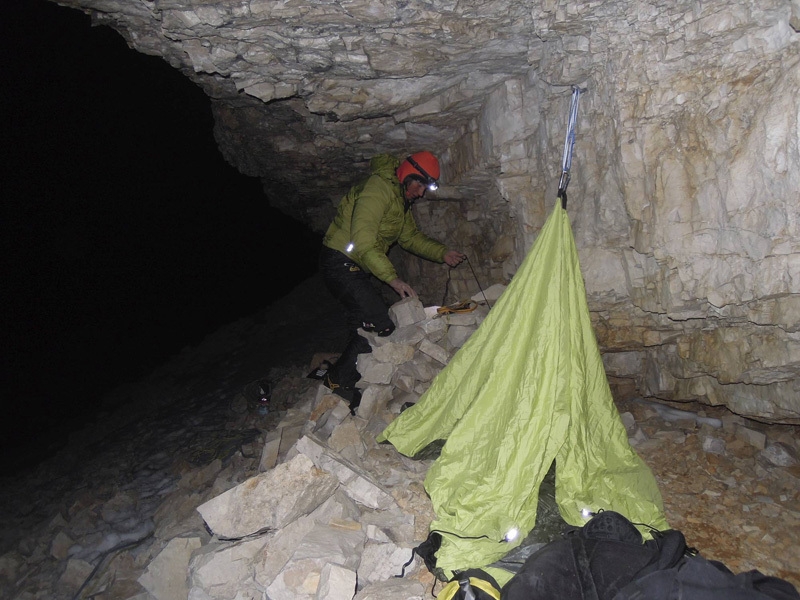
333,512
309,506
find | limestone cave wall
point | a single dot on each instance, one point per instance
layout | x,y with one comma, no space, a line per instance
686,175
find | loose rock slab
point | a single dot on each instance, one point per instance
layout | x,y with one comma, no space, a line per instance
270,500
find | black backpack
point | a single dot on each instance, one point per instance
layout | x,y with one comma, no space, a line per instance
607,560
699,579
594,562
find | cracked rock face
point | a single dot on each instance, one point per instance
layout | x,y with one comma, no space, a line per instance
686,174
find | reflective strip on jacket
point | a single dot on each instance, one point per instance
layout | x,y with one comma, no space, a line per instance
371,216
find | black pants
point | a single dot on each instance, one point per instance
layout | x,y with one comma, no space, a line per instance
364,307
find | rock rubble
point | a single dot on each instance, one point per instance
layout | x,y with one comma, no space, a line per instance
302,503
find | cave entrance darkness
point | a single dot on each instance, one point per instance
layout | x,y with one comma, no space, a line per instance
126,236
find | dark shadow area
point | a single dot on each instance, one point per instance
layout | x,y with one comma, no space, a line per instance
125,235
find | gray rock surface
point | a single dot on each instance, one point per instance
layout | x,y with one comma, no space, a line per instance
336,583
165,576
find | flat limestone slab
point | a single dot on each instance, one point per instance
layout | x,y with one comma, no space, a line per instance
269,500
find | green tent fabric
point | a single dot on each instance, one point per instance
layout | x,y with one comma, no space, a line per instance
527,388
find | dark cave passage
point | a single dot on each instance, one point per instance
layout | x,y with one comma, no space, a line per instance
126,236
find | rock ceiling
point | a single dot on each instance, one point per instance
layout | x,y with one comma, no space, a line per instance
306,91
684,197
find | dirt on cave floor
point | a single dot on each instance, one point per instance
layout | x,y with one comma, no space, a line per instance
732,504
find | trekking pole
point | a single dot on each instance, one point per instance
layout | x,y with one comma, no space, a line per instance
569,144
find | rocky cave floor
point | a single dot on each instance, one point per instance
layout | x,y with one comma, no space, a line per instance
720,475
720,489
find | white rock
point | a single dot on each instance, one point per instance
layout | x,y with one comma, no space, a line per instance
403,381
407,312
431,312
165,576
714,445
336,583
409,335
73,577
221,570
356,483
346,435
270,500
629,422
393,525
638,438
282,545
393,589
492,293
373,400
435,351
269,453
457,335
373,371
393,353
331,420
60,545
780,455
380,562
422,368
323,545
432,327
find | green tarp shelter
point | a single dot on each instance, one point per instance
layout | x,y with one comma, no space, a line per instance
526,389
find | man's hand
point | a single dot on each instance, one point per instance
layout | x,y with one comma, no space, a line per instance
402,288
454,258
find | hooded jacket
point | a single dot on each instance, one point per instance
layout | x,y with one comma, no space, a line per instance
372,217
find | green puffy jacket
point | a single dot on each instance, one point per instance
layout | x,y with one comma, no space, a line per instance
371,216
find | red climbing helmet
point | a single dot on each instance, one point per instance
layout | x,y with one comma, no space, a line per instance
422,166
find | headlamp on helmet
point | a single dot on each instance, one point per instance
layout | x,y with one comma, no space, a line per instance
421,166
429,181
